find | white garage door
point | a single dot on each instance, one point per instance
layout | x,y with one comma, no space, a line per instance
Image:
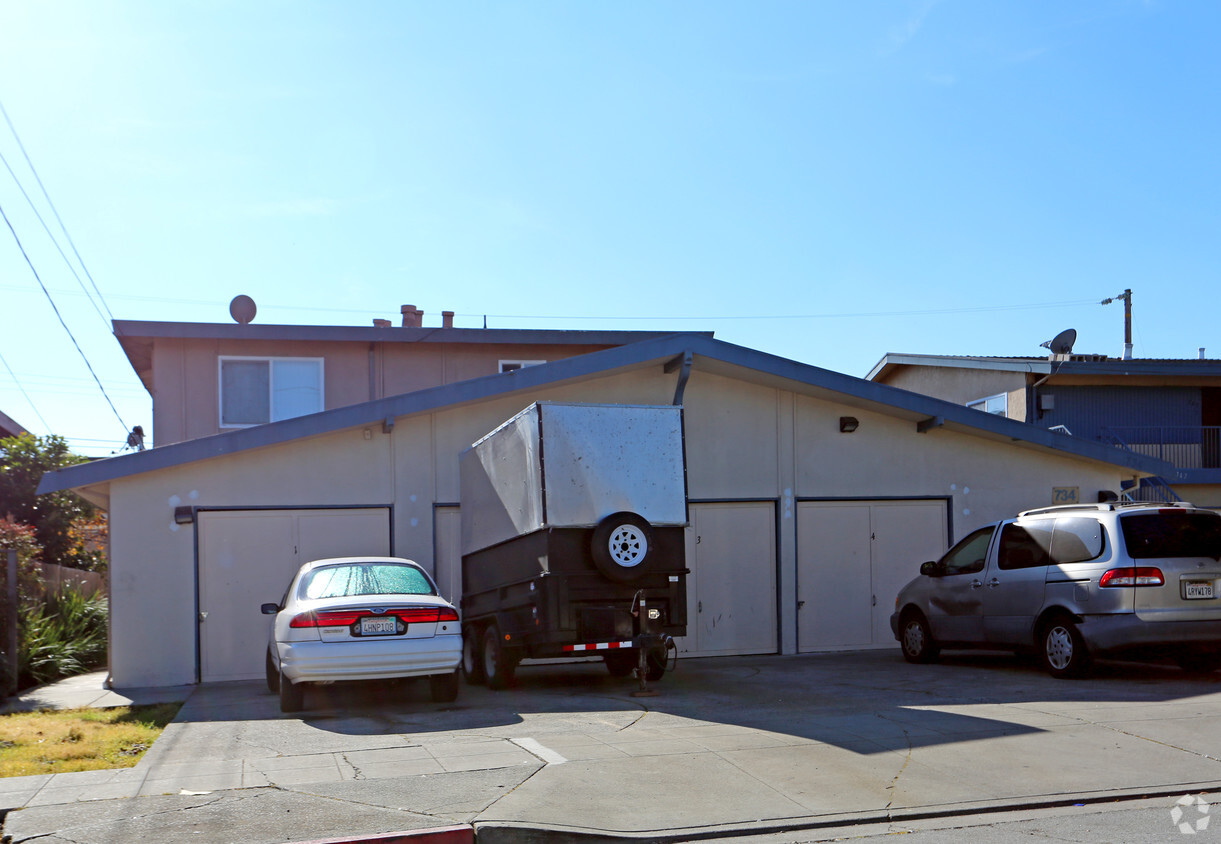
247,557
852,559
731,590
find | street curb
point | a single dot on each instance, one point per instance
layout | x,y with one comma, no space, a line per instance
497,832
456,834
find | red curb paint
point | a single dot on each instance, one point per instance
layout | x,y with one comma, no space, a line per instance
459,834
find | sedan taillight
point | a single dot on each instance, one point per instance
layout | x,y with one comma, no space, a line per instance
1143,576
346,618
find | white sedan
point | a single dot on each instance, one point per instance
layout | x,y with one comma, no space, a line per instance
362,618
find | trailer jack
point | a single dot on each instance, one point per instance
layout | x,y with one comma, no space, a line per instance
657,646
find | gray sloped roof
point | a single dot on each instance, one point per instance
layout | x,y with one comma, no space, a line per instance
708,355
1094,365
9,427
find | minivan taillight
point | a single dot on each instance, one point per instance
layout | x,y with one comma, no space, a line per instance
1143,576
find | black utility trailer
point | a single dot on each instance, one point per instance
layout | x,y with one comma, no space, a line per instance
573,539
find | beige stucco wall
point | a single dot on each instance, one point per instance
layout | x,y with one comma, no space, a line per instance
961,385
743,441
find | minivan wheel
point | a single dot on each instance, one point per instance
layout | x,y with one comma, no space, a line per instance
917,640
1063,649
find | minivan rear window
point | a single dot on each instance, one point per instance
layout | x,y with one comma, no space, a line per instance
1172,533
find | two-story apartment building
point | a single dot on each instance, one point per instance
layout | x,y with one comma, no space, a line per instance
1169,409
207,378
812,495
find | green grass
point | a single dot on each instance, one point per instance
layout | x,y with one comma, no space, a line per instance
63,740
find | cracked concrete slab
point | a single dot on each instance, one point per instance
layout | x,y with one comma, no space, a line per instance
241,817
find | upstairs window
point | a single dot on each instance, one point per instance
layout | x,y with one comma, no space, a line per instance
513,365
255,391
998,404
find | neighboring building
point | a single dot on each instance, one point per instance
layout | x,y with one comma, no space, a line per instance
9,428
1169,409
812,495
209,378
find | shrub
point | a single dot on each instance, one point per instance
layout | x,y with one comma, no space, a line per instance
63,635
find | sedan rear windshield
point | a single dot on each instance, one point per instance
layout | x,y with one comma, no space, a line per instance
1171,533
365,579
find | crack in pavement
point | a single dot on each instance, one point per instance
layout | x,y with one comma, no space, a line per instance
357,774
1090,723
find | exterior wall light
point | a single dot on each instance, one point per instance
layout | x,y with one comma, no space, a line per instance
184,515
848,424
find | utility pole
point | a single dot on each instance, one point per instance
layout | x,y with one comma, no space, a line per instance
1126,296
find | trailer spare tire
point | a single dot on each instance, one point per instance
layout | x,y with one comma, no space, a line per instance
622,547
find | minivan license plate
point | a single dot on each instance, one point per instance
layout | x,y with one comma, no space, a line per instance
382,626
1196,590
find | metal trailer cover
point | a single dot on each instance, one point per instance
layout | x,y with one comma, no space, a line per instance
559,465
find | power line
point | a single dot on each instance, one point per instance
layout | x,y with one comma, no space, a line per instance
47,229
54,211
33,406
60,317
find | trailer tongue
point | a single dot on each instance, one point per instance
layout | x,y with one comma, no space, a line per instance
573,519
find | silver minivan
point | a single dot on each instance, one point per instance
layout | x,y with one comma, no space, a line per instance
1075,582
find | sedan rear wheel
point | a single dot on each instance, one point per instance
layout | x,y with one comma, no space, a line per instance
292,697
444,687
273,674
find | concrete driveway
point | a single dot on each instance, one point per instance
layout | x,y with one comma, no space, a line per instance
736,744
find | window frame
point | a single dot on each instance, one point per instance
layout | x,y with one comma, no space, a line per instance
982,404
270,360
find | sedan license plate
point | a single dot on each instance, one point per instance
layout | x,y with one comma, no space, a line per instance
1196,590
378,626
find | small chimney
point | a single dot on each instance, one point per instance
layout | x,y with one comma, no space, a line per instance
447,321
413,317
1202,354
381,323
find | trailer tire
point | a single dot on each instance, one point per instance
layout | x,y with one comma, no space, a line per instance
655,665
499,662
620,663
472,656
622,547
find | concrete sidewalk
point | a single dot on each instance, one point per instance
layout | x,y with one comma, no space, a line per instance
732,745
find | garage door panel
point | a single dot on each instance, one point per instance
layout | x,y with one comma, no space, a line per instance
907,534
731,590
249,562
834,582
248,557
342,533
853,557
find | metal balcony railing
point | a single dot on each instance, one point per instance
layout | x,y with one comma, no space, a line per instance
1185,447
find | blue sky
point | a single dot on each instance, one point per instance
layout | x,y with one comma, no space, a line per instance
826,181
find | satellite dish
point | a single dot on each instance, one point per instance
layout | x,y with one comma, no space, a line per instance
242,309
1062,343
